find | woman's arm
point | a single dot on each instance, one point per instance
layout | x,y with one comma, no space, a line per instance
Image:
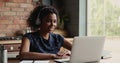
67,44
36,56
26,54
63,52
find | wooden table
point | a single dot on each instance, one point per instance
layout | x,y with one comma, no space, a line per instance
17,61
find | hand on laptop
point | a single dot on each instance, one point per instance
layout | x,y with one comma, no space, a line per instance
63,54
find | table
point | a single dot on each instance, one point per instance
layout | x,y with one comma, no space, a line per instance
17,61
112,45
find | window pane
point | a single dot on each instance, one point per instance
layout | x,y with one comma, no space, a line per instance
103,17
113,29
95,11
96,29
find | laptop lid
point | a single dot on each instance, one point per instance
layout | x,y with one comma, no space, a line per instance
87,49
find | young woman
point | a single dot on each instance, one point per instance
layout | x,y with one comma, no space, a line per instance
43,43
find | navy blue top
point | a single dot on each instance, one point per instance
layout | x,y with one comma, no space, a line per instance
39,44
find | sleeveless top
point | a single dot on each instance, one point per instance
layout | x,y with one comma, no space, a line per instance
39,44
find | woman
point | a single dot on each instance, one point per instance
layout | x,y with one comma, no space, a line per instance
43,43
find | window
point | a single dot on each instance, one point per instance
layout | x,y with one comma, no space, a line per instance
103,17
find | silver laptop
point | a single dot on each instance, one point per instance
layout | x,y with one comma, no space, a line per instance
87,49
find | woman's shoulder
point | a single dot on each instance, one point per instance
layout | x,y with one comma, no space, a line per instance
30,34
56,35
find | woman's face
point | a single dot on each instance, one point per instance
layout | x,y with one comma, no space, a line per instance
49,23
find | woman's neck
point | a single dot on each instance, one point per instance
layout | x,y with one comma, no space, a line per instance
44,35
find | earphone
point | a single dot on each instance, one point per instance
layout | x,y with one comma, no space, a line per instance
38,21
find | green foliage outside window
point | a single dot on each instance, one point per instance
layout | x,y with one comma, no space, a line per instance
103,18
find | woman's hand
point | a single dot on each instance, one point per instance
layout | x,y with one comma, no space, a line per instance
62,54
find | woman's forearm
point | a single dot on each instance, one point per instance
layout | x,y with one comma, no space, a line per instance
36,56
67,44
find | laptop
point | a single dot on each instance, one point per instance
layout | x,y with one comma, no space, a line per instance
86,49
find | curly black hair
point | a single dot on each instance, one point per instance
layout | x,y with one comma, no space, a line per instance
35,18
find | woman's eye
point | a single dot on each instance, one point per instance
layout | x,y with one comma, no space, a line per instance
55,21
48,20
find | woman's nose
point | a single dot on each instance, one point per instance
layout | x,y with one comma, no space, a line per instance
52,23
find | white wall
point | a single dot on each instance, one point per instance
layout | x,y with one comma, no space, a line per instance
82,17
